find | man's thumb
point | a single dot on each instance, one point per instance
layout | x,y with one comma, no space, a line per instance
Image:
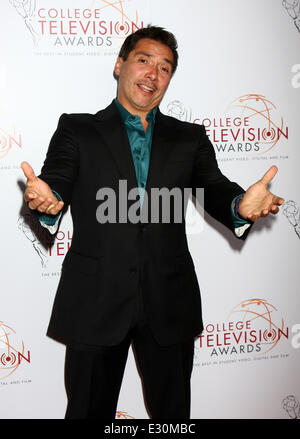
269,175
28,171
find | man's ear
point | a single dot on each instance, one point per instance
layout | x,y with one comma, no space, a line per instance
118,65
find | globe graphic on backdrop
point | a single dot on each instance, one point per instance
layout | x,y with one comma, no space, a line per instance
264,318
262,115
10,350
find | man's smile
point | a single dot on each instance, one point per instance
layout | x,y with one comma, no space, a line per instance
146,88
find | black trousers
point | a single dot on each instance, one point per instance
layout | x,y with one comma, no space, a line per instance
93,375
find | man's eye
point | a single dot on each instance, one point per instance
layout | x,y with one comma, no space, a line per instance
165,69
143,60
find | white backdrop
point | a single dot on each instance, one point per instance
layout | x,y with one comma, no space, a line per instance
239,74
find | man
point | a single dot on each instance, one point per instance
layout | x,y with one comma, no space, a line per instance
126,281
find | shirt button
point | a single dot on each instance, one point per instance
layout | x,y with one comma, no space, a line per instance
133,270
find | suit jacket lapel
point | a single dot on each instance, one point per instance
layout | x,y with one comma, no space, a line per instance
112,130
161,148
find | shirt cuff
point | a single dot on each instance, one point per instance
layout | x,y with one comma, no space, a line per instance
50,222
240,224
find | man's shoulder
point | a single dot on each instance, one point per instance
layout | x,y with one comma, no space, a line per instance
76,117
75,122
86,117
181,125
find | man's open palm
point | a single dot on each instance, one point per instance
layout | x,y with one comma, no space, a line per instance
38,193
258,201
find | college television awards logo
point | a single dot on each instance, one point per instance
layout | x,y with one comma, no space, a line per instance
251,125
79,23
253,327
12,351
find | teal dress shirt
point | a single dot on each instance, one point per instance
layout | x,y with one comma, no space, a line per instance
140,143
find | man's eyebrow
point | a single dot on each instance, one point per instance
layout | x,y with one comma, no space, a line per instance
150,56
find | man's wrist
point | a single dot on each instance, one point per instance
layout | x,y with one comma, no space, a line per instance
237,219
237,201
47,218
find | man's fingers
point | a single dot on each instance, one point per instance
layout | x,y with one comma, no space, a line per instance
279,201
28,171
46,206
274,209
29,196
252,216
50,207
55,209
269,175
265,212
41,204
36,203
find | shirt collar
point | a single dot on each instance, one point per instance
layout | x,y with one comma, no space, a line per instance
126,116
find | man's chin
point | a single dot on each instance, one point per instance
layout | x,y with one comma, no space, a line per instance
146,105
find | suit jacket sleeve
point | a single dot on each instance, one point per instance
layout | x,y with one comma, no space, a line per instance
61,164
219,191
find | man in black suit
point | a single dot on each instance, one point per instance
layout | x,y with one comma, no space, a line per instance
133,281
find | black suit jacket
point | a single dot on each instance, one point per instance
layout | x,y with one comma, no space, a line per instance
109,264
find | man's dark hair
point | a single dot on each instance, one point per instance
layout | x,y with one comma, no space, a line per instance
154,33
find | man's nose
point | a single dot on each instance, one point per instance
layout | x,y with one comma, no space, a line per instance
152,72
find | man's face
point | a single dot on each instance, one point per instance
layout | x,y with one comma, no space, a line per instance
144,77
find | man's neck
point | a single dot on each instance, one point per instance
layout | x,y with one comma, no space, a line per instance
137,112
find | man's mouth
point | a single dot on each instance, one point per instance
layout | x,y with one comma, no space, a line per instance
146,89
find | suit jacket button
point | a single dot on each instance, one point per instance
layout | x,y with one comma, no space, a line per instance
133,270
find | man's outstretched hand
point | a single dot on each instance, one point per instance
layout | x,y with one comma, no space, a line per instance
38,194
258,201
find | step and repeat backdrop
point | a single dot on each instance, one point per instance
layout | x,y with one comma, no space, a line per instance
239,75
